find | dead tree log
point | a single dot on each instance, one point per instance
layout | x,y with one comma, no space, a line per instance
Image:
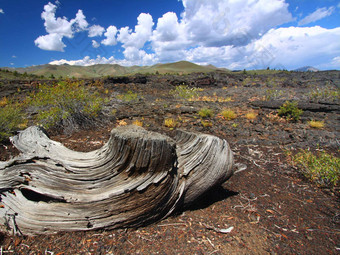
136,178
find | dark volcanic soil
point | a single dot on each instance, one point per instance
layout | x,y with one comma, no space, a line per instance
272,208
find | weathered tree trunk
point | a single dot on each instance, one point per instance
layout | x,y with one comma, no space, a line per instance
136,178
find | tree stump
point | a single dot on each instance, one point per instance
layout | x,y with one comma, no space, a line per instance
136,178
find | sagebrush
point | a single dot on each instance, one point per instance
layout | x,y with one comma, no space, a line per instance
290,111
320,167
68,105
11,120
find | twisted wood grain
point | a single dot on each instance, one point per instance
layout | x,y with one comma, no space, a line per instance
136,178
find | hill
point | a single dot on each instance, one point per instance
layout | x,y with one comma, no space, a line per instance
307,69
181,67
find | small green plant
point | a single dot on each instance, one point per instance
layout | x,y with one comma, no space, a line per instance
67,105
206,113
228,114
11,120
290,111
184,92
128,97
321,168
206,123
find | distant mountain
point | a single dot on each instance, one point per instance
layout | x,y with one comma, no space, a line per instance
181,67
307,69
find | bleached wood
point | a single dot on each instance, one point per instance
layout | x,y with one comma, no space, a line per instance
136,178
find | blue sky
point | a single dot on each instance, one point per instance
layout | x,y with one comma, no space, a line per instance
238,34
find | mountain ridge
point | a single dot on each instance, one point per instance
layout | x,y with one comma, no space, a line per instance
100,70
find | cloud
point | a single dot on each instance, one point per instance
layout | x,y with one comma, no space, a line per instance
110,34
287,48
95,44
143,32
217,23
168,28
2,11
96,30
53,25
80,21
52,42
134,55
317,15
132,42
57,28
336,62
236,34
87,61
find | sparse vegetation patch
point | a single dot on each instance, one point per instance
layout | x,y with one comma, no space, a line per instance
128,96
11,120
67,105
327,93
184,92
321,168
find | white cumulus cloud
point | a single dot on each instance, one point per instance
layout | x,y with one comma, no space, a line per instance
80,21
2,11
52,42
96,30
132,42
95,44
236,34
55,25
110,34
57,28
143,32
287,48
230,22
216,23
317,15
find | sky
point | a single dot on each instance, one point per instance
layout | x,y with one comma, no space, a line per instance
235,34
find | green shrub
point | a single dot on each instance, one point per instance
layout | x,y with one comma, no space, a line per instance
184,92
290,111
11,120
322,168
67,105
206,113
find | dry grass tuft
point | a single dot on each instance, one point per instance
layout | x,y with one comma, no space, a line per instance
228,114
316,124
138,123
251,115
170,123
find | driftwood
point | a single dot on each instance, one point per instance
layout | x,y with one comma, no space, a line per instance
136,178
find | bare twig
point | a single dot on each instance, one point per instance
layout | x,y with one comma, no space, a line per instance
172,224
219,230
